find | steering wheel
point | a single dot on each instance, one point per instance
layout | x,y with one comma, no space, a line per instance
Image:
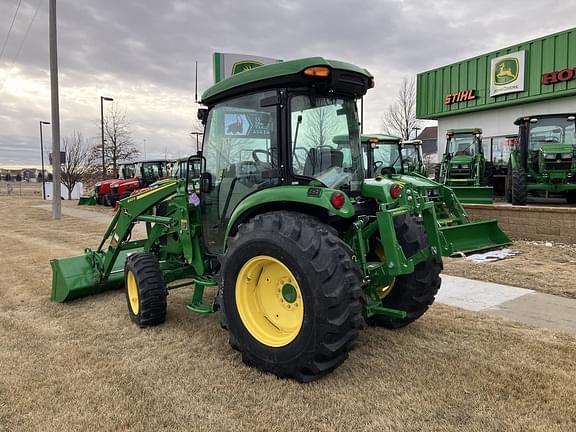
255,155
386,171
378,164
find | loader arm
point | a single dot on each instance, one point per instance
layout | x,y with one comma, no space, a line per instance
102,269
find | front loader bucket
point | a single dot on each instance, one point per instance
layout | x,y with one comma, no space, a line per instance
76,277
475,236
87,200
474,194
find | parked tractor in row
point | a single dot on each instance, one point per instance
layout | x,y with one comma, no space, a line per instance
300,245
543,159
464,167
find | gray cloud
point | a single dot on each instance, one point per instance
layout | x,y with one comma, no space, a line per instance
142,53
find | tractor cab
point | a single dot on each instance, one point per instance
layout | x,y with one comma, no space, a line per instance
280,133
463,149
412,159
464,167
543,160
382,155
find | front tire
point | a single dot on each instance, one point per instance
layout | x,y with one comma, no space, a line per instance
291,296
571,197
414,292
145,289
519,187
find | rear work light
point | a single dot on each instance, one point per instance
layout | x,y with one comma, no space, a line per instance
338,199
317,71
395,190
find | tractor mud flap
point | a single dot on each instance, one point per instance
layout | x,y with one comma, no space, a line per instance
76,277
87,200
475,236
474,194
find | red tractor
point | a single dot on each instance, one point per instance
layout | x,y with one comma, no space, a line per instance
102,188
146,173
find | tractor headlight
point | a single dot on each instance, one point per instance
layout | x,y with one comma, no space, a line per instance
550,156
565,155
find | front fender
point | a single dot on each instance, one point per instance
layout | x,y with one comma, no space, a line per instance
307,195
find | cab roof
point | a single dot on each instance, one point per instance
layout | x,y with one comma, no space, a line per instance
519,120
380,138
290,74
464,131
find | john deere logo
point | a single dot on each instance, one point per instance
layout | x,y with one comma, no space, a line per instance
244,65
506,71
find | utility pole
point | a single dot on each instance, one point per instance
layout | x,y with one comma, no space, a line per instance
56,194
102,99
42,158
197,139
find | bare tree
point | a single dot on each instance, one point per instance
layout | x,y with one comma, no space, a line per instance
77,164
119,145
401,116
320,127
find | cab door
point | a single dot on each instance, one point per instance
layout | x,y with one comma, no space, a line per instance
242,156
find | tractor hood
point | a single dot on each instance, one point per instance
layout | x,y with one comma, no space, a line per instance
461,160
125,182
557,148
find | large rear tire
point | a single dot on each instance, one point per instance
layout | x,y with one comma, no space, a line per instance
519,187
414,292
291,296
145,289
571,197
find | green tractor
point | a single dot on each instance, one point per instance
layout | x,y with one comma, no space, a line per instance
464,168
412,159
386,157
543,160
299,247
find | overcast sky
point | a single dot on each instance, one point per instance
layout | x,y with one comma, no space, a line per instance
142,53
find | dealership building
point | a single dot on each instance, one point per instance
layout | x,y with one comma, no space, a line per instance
490,91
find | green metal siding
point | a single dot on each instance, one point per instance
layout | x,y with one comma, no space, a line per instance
547,54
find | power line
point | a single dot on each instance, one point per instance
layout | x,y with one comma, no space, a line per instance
10,29
15,58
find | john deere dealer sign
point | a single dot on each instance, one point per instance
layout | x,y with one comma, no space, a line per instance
507,74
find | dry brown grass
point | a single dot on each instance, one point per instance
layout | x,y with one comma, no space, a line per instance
84,366
549,269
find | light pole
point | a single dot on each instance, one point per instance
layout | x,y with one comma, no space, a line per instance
102,99
416,128
42,157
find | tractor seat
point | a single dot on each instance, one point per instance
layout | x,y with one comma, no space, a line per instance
321,159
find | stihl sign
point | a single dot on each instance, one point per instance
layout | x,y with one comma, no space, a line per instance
461,96
559,76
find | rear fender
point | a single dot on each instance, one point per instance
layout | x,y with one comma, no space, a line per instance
277,197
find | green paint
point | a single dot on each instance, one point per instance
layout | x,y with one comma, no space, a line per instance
289,293
543,55
275,71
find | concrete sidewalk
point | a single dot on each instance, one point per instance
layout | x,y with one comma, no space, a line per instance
519,304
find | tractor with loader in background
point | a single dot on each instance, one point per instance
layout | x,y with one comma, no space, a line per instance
300,247
412,159
464,167
543,160
385,155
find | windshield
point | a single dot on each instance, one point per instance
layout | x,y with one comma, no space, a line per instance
551,130
410,153
325,141
386,155
153,170
462,145
127,172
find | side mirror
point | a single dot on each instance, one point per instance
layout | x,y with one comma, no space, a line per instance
202,115
205,182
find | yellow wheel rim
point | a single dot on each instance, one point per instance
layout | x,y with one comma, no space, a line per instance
269,301
132,293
